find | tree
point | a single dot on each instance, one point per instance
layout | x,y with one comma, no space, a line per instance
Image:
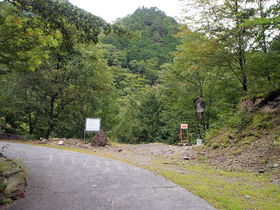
70,20
20,46
149,117
196,72
264,27
28,26
140,118
44,96
225,21
265,23
46,36
114,56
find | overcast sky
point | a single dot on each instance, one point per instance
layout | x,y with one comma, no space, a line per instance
110,10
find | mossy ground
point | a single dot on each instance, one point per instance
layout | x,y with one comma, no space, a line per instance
12,181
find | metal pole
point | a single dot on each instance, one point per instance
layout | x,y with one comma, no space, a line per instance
85,136
85,129
201,125
188,135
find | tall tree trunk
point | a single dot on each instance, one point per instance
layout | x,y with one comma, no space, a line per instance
241,50
51,118
31,126
244,83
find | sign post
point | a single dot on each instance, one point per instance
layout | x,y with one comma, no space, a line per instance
184,126
92,125
200,105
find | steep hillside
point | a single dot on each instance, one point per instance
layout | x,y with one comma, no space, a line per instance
157,40
253,140
137,63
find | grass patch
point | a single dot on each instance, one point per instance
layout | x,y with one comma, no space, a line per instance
228,190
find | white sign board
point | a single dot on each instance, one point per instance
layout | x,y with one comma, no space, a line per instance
184,126
93,124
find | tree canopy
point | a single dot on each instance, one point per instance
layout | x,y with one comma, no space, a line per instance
60,64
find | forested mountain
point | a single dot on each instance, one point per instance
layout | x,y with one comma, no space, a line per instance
154,46
60,64
136,66
157,32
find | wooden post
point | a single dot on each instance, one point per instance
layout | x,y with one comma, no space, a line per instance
181,134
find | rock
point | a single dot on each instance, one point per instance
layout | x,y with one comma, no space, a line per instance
85,146
43,141
267,104
100,139
261,171
186,158
60,143
14,179
275,165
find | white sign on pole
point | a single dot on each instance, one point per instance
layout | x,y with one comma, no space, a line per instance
198,142
184,126
93,125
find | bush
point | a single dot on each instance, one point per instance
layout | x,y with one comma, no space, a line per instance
240,120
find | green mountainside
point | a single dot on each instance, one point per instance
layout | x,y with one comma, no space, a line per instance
142,57
157,40
141,75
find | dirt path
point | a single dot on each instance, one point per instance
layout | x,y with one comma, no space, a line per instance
143,154
254,159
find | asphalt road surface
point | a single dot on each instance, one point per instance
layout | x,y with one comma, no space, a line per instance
58,179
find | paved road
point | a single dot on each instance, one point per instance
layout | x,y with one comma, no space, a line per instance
60,179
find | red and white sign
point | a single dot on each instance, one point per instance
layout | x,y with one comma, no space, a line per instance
184,126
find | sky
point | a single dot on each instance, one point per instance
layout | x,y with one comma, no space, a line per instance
110,10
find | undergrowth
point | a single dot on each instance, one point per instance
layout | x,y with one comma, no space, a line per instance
244,127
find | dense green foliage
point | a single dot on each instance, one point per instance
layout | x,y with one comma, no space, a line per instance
143,56
157,36
69,80
142,88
